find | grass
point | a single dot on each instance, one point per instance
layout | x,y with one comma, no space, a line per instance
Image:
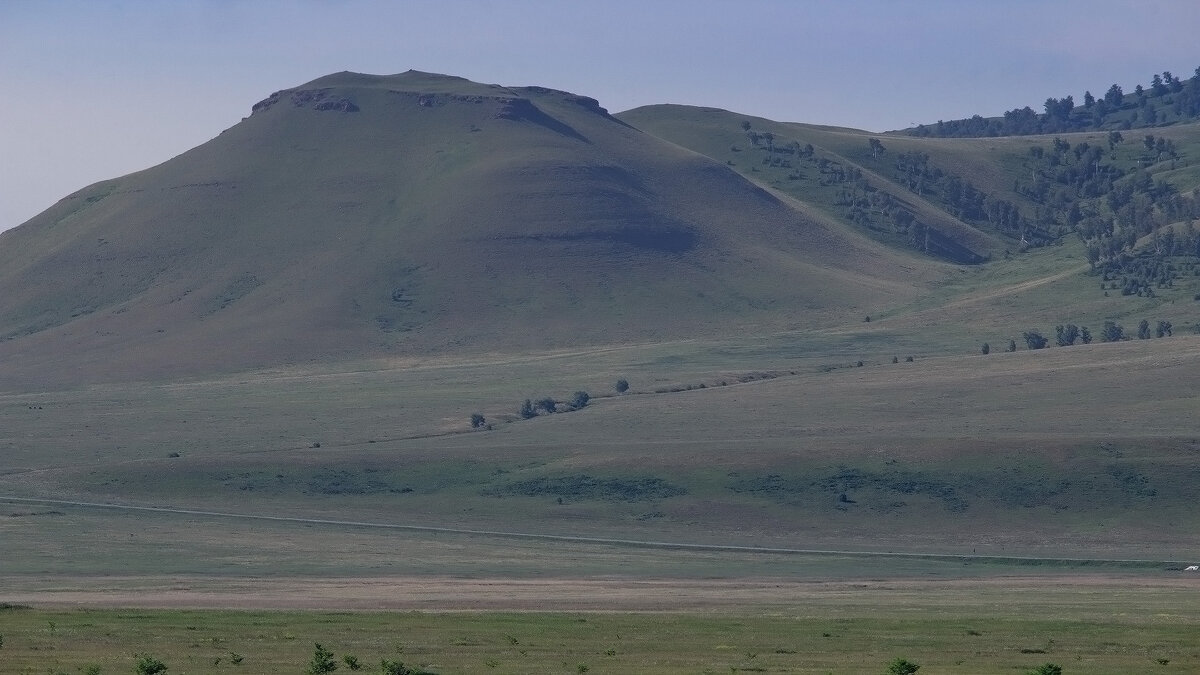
947,629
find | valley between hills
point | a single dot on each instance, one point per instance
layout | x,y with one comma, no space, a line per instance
414,342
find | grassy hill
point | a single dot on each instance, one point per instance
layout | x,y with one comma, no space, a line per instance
362,216
300,318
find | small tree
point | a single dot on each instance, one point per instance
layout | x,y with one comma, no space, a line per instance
477,420
322,661
985,349
622,385
1163,329
548,404
1112,332
902,667
1065,336
351,662
527,411
1085,335
1012,346
1034,339
1047,669
580,399
148,665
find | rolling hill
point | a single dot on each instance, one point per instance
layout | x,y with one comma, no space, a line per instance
360,216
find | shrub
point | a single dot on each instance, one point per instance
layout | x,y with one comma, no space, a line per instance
908,359
477,420
351,662
1143,330
580,399
548,404
1012,346
527,411
322,661
1047,669
985,349
902,667
148,665
622,386
1112,332
394,668
1034,339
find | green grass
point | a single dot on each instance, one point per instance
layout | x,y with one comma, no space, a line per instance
946,629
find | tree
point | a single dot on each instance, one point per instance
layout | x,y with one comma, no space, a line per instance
1065,336
477,420
322,661
580,399
1046,669
1034,339
902,667
1085,335
1163,329
1114,96
985,349
745,125
622,386
148,665
527,411
548,404
1143,330
1012,346
1112,332
876,147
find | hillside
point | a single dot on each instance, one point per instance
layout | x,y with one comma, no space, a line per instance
360,216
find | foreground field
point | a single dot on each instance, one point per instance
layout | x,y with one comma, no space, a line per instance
1093,624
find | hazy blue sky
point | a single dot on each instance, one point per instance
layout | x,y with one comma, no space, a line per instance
98,88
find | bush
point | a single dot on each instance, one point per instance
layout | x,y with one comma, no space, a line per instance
985,349
1047,669
1112,332
1012,346
477,420
322,661
1034,339
902,667
351,662
548,404
580,399
622,386
394,668
527,411
148,665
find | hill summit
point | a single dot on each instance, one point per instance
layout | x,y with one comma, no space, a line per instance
359,216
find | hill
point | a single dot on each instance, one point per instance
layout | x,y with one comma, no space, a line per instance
360,216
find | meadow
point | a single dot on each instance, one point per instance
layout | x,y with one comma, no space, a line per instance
1106,625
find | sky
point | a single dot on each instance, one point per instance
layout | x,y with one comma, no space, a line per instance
95,89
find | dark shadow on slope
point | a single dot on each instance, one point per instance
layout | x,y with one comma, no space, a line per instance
522,109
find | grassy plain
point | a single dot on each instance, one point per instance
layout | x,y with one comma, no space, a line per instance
1103,626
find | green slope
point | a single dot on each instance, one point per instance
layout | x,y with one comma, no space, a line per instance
359,216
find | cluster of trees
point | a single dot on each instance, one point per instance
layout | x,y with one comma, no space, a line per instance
529,409
963,200
1066,335
1168,100
1082,188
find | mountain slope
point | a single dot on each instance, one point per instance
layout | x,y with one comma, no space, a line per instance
359,216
